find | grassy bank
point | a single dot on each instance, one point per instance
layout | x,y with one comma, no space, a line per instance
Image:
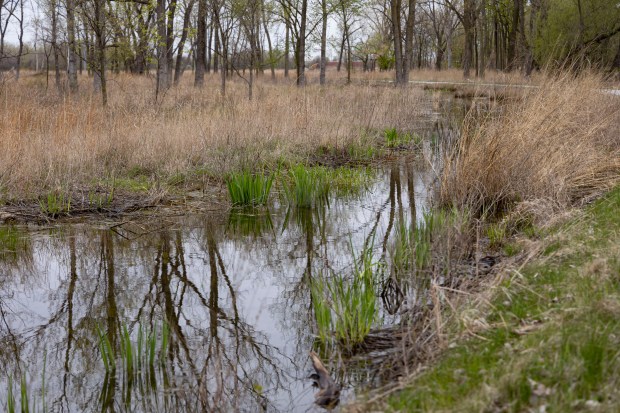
546,336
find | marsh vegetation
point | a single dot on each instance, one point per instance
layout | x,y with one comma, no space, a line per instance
373,242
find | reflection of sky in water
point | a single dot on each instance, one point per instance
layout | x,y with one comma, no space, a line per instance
122,281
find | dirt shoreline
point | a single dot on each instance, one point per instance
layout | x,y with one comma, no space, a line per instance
125,204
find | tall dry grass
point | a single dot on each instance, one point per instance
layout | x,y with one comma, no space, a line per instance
560,144
52,141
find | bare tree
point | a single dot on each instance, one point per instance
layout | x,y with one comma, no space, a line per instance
201,47
72,57
178,70
403,45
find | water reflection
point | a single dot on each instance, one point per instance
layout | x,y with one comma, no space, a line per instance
232,292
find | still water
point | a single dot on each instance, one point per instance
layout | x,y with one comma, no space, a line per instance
208,312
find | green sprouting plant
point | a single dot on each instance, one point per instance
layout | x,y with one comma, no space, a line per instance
402,253
361,151
135,356
347,181
394,139
346,306
417,139
307,186
24,394
10,398
433,223
9,240
391,137
100,201
55,203
107,352
322,311
247,189
497,234
24,401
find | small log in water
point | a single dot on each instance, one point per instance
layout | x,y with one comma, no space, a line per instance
328,395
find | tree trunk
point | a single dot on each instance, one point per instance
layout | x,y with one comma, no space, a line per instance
201,47
209,48
72,55
301,46
170,39
341,51
54,14
99,80
287,41
408,42
439,56
20,36
163,80
216,51
178,70
397,36
272,63
323,63
469,26
349,63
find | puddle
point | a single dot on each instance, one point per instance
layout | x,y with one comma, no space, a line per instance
196,313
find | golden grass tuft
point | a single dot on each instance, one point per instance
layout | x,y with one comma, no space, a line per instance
51,141
560,143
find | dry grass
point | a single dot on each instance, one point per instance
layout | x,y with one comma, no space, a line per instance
50,141
560,144
429,75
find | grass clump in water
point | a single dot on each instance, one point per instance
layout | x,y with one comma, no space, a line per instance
348,181
307,186
415,246
429,231
247,189
135,356
346,307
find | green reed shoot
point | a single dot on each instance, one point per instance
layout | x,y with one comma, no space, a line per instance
346,306
403,251
165,339
322,311
24,394
127,352
55,203
307,186
24,402
394,139
100,201
432,223
10,402
43,380
106,351
134,355
247,189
